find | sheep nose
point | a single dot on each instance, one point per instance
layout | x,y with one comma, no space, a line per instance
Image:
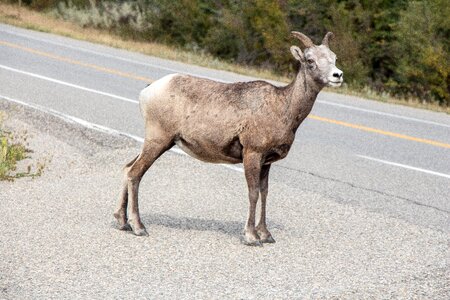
338,75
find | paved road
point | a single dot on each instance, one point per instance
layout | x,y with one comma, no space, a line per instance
383,157
57,240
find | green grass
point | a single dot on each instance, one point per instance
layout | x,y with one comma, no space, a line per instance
14,148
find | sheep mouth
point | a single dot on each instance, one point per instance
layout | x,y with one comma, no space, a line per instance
334,83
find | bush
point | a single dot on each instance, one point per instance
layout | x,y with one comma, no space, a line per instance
119,16
424,61
398,46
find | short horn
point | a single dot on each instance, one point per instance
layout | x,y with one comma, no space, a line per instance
326,38
303,38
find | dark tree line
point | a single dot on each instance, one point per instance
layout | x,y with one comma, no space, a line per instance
395,46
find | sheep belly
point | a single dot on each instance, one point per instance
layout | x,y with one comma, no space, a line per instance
230,153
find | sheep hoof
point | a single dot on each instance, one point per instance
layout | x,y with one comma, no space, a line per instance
254,243
125,227
122,220
140,232
269,240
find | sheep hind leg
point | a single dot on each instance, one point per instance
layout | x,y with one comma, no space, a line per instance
121,212
153,148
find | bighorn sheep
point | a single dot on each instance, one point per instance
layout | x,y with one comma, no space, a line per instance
250,122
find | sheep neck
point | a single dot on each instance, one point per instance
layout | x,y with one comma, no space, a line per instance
300,96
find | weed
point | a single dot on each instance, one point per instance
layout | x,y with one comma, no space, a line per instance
14,148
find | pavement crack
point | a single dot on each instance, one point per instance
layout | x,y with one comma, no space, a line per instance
364,188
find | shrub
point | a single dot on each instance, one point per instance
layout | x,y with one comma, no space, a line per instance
108,15
398,47
14,148
424,61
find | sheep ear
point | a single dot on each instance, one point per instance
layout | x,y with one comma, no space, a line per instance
297,53
326,39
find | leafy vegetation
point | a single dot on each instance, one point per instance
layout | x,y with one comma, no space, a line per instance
394,47
14,148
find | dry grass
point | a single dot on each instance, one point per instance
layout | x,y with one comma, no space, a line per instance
386,98
26,18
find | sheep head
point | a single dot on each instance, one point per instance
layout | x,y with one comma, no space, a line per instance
319,61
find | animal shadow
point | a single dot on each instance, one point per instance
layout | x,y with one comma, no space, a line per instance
231,228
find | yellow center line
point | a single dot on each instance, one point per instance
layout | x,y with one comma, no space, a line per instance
77,62
379,131
149,80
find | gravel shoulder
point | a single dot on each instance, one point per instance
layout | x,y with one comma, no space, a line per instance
58,236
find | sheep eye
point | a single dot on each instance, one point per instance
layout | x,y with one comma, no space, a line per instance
310,61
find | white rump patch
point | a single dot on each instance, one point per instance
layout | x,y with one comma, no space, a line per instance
154,90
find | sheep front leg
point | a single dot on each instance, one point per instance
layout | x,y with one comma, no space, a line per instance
252,168
264,234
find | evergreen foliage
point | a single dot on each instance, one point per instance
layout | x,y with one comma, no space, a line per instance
395,46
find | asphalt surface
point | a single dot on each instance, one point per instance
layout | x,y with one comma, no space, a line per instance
58,238
349,207
326,150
